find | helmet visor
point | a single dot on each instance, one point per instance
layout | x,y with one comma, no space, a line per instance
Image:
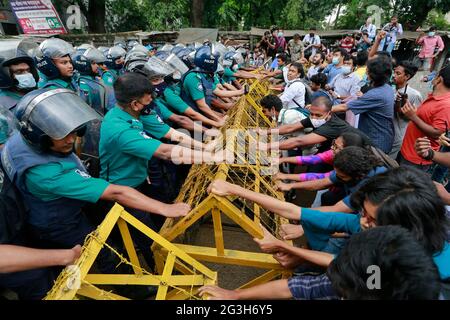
59,112
176,63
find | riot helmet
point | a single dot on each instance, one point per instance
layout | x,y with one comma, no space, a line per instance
14,52
47,114
50,49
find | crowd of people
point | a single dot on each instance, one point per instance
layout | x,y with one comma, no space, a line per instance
83,128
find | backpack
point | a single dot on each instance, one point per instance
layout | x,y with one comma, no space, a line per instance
12,211
387,161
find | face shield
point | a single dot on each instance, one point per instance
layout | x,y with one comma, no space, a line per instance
117,52
178,65
167,47
140,48
156,67
85,46
238,58
15,52
11,49
219,49
55,48
58,113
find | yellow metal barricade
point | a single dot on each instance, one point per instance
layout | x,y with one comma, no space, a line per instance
248,168
77,282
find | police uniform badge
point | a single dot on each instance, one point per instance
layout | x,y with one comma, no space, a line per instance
83,174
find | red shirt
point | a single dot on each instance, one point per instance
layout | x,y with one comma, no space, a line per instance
434,111
347,44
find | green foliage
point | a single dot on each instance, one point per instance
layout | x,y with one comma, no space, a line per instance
437,18
125,15
411,13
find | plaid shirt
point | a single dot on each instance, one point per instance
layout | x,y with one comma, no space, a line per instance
312,287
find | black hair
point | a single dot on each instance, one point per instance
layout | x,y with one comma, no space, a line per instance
445,74
410,68
299,67
356,162
342,51
380,70
323,102
322,55
406,271
432,28
361,58
282,56
350,57
407,197
270,101
352,139
320,79
131,86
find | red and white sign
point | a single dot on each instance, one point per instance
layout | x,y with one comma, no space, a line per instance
37,17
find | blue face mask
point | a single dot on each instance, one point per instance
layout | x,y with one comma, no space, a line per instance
431,34
26,81
335,61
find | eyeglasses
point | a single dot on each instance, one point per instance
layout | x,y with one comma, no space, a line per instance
369,218
335,146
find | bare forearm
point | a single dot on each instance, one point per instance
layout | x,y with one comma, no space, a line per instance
373,51
288,128
339,108
129,197
284,209
430,131
442,158
208,112
312,185
228,94
277,289
288,144
322,259
185,140
15,258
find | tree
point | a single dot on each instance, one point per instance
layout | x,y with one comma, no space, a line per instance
197,9
411,13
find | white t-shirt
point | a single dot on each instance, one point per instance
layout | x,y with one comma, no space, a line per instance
311,40
294,95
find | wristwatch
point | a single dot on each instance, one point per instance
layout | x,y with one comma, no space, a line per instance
430,155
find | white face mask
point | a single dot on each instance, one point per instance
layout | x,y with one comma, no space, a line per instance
346,70
26,81
318,122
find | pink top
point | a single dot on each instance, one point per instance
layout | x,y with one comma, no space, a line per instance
324,157
428,45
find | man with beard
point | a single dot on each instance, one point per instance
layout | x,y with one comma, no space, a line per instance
317,62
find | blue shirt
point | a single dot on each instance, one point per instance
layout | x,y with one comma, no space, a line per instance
376,110
442,261
318,226
331,71
350,189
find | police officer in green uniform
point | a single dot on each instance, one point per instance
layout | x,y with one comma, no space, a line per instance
95,94
54,62
171,94
115,59
92,90
156,70
199,85
126,142
54,184
18,74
